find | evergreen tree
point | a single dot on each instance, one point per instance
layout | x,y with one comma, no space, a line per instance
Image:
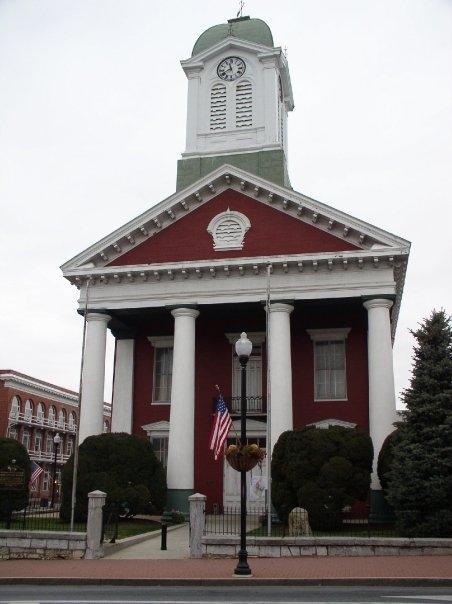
420,480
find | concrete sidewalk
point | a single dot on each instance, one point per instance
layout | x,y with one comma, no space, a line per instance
403,570
149,549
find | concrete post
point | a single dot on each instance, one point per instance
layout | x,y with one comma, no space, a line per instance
94,548
197,503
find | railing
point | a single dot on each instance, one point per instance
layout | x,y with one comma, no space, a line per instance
36,517
48,456
255,405
41,422
325,524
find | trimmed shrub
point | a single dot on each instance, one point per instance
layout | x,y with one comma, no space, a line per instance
122,465
386,458
13,453
321,471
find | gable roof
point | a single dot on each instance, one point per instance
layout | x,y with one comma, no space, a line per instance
365,236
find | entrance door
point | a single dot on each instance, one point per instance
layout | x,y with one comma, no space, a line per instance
256,480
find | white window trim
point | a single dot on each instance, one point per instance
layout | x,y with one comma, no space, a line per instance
160,342
326,335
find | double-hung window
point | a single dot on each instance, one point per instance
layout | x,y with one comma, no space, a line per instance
160,446
163,369
330,375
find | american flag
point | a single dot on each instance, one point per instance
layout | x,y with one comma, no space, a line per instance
36,472
221,423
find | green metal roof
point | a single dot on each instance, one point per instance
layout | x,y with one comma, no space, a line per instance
253,30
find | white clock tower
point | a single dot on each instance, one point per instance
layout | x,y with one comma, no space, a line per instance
239,96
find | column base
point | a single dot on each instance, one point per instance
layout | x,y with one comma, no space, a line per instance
177,499
380,510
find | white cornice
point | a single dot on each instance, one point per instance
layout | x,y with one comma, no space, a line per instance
37,388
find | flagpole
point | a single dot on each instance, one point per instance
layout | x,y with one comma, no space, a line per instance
75,469
269,443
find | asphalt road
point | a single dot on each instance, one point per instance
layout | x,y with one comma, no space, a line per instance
106,594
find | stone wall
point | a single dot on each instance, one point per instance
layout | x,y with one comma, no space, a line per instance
43,545
218,546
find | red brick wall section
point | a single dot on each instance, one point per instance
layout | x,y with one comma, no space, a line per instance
272,232
214,365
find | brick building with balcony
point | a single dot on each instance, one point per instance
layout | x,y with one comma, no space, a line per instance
33,412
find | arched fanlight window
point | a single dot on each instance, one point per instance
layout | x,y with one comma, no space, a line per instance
15,407
28,409
40,413
52,414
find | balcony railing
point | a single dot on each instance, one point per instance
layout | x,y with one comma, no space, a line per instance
41,422
255,405
48,456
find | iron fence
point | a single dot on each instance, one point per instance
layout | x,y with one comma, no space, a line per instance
324,524
35,517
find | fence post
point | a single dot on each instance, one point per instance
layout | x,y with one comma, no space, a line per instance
94,548
197,503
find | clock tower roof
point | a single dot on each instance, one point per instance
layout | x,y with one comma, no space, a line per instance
244,28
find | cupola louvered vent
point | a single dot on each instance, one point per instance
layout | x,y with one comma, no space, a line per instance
218,107
243,105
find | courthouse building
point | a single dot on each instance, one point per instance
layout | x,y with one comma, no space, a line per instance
177,284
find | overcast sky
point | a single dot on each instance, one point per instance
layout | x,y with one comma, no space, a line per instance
92,121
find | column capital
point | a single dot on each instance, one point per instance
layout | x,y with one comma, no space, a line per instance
185,312
97,316
281,307
378,303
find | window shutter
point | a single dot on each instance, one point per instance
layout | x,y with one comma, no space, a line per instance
218,107
243,105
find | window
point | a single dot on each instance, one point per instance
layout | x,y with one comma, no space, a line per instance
330,381
12,432
52,415
218,107
61,418
26,438
38,441
15,407
40,414
243,105
163,370
28,410
160,446
45,480
69,446
72,421
49,443
106,426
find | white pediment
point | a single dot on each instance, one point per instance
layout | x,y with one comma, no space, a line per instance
326,423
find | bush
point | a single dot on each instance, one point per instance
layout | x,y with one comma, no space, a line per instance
10,450
321,471
386,458
123,466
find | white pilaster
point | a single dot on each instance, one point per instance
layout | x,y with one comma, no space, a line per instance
194,79
280,366
121,420
93,376
270,99
382,409
180,468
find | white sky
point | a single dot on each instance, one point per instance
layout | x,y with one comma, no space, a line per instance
92,121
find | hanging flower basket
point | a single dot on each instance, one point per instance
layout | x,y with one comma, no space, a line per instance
244,458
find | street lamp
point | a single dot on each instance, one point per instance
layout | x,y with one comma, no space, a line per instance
243,348
56,443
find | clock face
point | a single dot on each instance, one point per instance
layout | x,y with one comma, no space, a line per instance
231,69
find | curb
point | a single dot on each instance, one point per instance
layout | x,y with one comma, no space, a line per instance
364,581
112,548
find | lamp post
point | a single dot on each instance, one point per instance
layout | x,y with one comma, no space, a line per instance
56,443
243,348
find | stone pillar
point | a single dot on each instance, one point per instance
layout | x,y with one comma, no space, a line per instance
94,547
93,376
180,467
280,367
197,504
121,419
382,408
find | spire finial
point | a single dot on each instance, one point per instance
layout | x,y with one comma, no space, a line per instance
241,5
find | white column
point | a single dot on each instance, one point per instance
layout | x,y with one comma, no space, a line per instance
382,409
280,366
121,420
93,376
180,468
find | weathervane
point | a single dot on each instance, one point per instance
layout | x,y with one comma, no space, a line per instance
240,13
